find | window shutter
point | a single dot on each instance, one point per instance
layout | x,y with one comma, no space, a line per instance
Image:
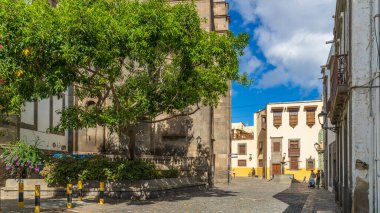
276,147
242,149
293,118
242,163
277,118
310,117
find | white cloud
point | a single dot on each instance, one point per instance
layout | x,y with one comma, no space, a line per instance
248,62
291,34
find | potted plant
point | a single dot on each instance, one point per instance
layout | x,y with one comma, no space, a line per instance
21,159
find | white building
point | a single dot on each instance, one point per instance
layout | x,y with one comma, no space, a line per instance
354,106
292,131
244,150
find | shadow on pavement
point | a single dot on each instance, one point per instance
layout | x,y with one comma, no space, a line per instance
47,205
58,204
186,196
295,196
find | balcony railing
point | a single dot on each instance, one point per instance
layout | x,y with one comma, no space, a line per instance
242,136
294,152
338,86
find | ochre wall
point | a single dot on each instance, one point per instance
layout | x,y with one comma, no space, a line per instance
298,174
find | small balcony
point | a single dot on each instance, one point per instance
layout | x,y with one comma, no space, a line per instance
242,136
338,87
294,152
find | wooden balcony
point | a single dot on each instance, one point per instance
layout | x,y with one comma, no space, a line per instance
242,136
338,87
294,152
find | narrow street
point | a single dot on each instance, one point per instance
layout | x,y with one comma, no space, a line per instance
243,195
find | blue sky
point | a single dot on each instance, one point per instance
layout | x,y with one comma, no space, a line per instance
286,49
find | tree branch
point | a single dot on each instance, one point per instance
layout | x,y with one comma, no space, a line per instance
172,116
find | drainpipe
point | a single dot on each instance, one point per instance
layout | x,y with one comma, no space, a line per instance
377,101
373,132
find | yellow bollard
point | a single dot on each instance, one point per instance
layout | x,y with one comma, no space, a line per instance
21,195
101,200
37,199
80,190
69,196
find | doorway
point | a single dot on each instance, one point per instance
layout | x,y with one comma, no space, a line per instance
276,169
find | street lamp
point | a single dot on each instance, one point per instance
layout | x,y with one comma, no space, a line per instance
318,148
322,118
250,157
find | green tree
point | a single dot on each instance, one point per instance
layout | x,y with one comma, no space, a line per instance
135,59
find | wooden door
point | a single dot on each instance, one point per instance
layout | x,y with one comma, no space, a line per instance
276,169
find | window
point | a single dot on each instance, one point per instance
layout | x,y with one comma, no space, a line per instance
294,144
261,163
242,149
263,120
310,118
242,162
293,163
276,147
260,147
310,164
293,118
294,148
310,115
277,118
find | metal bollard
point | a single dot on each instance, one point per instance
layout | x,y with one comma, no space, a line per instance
80,190
37,199
69,196
101,195
21,195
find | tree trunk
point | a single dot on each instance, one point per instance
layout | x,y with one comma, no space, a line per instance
132,142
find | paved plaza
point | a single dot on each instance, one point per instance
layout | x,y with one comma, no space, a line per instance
242,195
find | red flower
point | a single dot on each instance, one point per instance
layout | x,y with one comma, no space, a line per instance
1,46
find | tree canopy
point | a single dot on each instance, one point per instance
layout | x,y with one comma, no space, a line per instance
135,59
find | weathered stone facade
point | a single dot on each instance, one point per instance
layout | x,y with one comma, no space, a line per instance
203,134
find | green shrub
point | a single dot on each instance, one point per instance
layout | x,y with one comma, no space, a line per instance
136,170
95,168
59,172
171,173
69,170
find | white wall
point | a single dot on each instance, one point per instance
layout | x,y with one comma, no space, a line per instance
27,114
45,139
307,135
251,149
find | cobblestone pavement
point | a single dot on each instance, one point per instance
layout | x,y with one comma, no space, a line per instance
242,195
320,200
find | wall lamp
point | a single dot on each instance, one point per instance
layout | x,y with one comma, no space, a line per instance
318,148
322,118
